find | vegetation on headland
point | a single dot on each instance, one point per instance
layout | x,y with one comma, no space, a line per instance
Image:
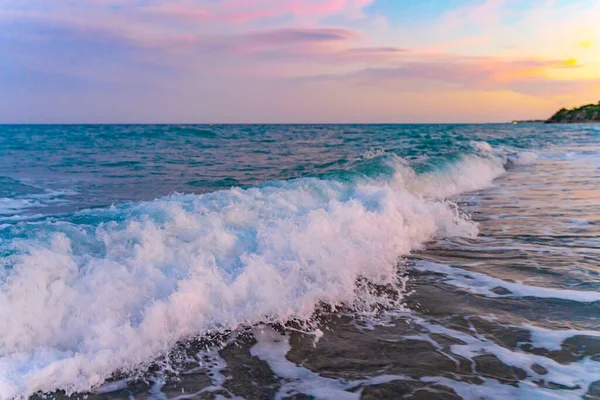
588,113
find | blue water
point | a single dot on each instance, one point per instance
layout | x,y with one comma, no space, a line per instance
117,242
64,168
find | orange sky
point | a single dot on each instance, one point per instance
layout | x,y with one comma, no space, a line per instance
296,60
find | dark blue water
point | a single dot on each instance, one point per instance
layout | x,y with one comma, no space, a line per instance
119,243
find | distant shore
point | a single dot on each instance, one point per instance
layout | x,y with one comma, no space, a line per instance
530,121
585,114
589,113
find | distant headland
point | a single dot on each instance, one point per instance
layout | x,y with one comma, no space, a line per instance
583,114
588,113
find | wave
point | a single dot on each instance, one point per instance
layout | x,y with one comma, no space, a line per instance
9,206
25,206
113,289
193,131
522,158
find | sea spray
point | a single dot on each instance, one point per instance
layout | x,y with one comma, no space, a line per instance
82,301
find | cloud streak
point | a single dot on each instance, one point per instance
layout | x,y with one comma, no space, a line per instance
226,47
448,72
241,11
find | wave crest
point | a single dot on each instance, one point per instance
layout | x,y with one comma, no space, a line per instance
81,302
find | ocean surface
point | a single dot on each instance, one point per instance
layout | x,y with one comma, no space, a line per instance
300,261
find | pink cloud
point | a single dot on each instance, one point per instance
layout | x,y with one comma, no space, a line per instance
178,11
414,71
461,43
484,13
480,72
239,11
145,34
291,35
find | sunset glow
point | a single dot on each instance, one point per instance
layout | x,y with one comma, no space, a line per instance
296,60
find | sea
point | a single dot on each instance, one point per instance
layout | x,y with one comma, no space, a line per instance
300,261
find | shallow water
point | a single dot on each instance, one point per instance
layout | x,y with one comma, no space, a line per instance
109,293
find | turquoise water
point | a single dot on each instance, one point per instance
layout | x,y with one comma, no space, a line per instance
66,168
118,243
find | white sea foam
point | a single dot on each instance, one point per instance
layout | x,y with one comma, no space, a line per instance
470,174
492,389
79,306
553,339
483,147
523,158
476,282
575,378
370,154
19,208
10,206
272,348
211,363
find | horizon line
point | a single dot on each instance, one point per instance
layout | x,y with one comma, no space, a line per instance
263,123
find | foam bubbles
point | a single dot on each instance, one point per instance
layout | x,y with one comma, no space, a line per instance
483,147
476,282
471,173
573,379
81,302
272,348
9,206
553,339
523,158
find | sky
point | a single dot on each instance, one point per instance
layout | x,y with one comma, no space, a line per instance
296,61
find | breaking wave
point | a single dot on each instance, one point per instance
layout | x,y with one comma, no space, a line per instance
112,289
